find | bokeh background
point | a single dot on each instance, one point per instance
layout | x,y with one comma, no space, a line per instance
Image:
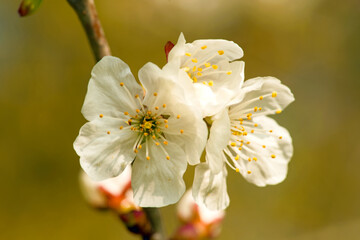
311,45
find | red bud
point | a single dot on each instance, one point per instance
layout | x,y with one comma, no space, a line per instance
168,46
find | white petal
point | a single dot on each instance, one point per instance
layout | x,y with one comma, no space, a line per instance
218,139
158,182
252,92
210,189
264,165
104,149
105,95
178,50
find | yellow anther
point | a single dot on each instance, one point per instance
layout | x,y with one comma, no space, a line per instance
221,52
155,94
181,131
140,146
149,112
121,127
137,95
245,133
240,119
229,72
164,105
157,143
121,84
188,54
252,131
147,158
255,125
194,60
101,116
203,47
156,108
255,159
108,132
204,82
135,151
260,108
249,118
199,69
186,69
211,83
249,114
247,142
166,121
166,126
249,172
240,148
166,142
178,116
193,69
207,65
145,134
261,97
278,111
237,157
194,79
137,110
126,113
255,109
273,156
270,131
237,170
233,144
168,157
274,94
215,67
249,159
199,74
280,137
263,146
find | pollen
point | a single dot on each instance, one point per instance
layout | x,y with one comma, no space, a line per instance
101,116
178,116
237,157
221,52
233,144
203,47
181,131
166,142
274,94
261,97
215,67
147,158
207,65
164,105
121,84
155,94
211,83
273,156
278,111
168,157
194,60
249,172
188,54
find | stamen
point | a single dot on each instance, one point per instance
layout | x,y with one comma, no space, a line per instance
101,116
273,156
221,52
188,54
203,47
274,94
108,132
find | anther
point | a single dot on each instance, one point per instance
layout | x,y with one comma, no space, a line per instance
178,116
237,170
166,126
145,134
229,72
263,146
249,159
188,54
155,94
255,159
194,79
153,137
221,52
207,65
181,131
255,125
255,109
233,144
211,83
122,84
147,158
194,60
273,156
203,47
168,157
199,69
126,113
166,142
278,111
121,127
204,82
135,151
108,132
249,172
280,137
137,95
215,67
274,94
164,105
140,146
101,116
261,97
157,143
237,157
199,74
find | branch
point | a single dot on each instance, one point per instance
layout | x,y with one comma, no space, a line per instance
86,11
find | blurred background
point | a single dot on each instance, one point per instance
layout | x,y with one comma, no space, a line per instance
311,45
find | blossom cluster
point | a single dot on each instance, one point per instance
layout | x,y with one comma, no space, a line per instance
197,104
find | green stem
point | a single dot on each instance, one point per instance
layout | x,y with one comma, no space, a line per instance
86,11
154,217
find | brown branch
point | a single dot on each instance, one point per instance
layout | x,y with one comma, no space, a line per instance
86,11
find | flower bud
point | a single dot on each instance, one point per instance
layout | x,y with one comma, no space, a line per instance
28,7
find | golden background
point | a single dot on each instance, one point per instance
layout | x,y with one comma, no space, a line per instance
311,45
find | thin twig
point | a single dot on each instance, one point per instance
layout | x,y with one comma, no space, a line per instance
154,217
86,11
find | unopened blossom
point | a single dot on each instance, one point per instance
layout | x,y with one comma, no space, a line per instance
198,222
210,65
243,137
157,129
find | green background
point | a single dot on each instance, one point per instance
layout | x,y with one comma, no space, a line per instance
311,45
